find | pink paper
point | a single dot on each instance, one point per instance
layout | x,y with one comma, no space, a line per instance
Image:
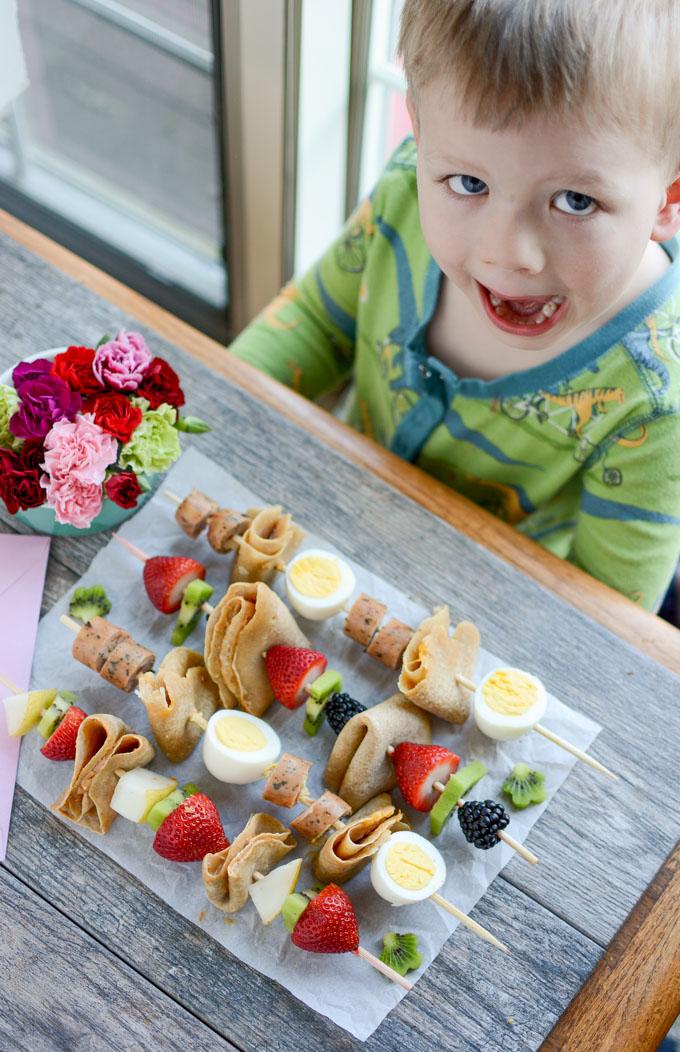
23,561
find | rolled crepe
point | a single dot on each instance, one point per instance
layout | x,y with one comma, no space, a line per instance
248,620
180,688
347,850
228,874
358,767
271,539
104,746
432,661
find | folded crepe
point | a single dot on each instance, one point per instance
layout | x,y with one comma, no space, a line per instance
358,767
248,620
347,850
179,690
269,541
228,874
104,747
432,661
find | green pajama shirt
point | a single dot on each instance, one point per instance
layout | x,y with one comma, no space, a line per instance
581,453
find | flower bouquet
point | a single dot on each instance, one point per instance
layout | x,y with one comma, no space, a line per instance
84,430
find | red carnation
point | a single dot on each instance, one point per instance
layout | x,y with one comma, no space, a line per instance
115,413
123,489
161,384
74,366
20,478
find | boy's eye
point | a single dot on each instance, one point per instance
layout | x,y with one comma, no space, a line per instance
467,185
574,204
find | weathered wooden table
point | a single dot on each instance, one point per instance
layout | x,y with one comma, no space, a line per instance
90,959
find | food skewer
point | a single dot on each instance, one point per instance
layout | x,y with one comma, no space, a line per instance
414,767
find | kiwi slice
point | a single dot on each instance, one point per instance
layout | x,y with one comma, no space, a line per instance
319,692
160,811
401,952
524,786
53,716
458,785
293,908
196,593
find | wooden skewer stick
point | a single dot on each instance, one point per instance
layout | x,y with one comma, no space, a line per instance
9,684
468,921
366,956
579,753
554,738
172,496
501,834
195,717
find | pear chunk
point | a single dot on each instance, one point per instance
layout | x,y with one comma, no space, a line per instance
24,711
138,790
270,893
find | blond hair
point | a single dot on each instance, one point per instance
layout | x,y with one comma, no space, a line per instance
599,61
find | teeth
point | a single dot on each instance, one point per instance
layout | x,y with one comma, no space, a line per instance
546,311
495,300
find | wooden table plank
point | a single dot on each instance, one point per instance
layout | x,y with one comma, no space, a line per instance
463,1001
645,632
66,991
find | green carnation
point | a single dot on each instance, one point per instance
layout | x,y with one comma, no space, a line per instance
154,445
9,403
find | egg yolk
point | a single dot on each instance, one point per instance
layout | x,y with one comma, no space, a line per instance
315,576
510,692
409,866
239,734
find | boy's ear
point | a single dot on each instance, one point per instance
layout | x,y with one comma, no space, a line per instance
668,217
413,114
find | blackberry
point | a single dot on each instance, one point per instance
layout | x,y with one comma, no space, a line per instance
481,822
340,708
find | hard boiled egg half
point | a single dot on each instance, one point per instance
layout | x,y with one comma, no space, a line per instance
407,868
238,747
318,583
508,702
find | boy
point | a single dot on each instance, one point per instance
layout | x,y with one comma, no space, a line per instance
508,299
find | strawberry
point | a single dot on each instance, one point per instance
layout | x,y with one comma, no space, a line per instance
291,670
61,744
192,830
166,577
329,924
418,767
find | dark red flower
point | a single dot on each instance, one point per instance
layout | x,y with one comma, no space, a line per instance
114,412
20,482
161,384
74,366
123,489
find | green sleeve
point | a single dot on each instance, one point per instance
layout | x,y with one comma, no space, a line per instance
628,527
306,336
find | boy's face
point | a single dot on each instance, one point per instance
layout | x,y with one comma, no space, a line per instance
543,228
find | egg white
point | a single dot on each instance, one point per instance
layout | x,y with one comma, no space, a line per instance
502,727
233,765
319,608
388,888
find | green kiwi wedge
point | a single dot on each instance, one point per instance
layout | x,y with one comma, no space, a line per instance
400,952
524,786
458,785
319,692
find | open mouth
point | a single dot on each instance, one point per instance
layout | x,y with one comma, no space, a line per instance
525,315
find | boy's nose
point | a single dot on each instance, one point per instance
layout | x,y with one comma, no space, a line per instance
511,243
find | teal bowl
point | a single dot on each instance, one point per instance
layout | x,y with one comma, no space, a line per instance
43,519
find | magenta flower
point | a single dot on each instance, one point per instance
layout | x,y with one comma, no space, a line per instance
122,362
44,399
30,371
80,451
74,502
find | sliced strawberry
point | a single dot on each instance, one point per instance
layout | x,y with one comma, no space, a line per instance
329,924
61,744
192,830
291,670
418,767
166,577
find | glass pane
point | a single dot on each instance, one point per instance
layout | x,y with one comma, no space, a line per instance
117,130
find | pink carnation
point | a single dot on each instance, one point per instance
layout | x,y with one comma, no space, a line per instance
74,502
80,450
122,362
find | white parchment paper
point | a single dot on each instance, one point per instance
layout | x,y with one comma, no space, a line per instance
344,988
